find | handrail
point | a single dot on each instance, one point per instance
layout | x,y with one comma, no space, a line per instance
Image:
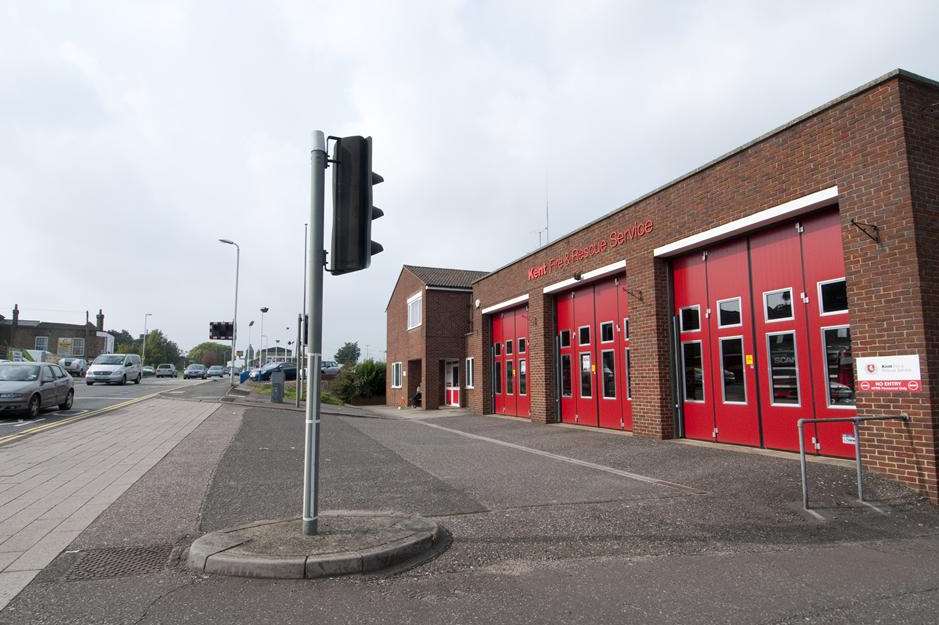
855,421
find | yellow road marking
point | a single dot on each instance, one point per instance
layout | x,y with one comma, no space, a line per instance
4,440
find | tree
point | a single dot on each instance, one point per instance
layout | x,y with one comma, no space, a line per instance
348,354
210,353
160,349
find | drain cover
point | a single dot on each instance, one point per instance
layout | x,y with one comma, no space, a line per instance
119,562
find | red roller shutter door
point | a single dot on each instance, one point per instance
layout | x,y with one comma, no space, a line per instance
567,356
690,291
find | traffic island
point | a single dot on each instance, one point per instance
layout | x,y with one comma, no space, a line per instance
348,542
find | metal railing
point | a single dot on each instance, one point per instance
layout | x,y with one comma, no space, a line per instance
855,422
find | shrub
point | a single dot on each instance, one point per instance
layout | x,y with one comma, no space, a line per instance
362,381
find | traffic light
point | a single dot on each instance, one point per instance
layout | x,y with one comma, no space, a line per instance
220,330
353,212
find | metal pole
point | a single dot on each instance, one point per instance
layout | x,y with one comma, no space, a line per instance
314,301
261,340
301,346
143,357
299,362
805,488
234,324
857,455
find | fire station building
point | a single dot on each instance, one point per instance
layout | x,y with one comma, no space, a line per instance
789,279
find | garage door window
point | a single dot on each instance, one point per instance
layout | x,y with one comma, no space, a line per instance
728,313
690,318
566,390
778,305
693,373
584,335
833,297
522,378
565,338
586,386
608,360
735,388
606,332
629,374
783,369
509,377
839,366
498,378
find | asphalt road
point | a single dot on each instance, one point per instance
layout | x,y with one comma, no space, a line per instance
548,525
90,398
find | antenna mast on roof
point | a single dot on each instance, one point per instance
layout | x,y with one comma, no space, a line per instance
547,233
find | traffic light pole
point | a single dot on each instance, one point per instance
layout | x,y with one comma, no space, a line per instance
314,304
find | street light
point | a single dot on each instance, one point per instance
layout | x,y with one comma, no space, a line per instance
264,309
143,356
234,324
250,346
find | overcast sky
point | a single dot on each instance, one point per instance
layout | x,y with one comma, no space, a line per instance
134,134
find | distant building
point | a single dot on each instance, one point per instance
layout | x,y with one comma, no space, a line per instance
86,340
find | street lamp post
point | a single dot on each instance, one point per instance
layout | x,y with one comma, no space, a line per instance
143,357
250,346
264,309
234,323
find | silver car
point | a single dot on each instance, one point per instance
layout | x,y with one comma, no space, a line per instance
29,387
74,366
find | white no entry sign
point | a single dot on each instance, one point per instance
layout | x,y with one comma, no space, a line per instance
889,373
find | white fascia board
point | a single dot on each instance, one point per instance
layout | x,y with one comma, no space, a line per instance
599,272
521,299
449,288
793,208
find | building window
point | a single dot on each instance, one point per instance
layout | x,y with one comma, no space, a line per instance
565,338
508,347
693,373
608,360
729,313
498,377
734,384
522,377
690,318
509,377
833,296
586,383
566,390
498,349
777,305
42,343
584,335
78,347
469,372
414,310
606,332
839,366
783,369
626,327
521,345
396,375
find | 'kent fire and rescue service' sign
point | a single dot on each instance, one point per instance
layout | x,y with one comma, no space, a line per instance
573,256
889,373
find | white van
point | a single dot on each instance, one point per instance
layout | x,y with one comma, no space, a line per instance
114,369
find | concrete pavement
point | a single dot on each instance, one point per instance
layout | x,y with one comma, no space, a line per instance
52,487
549,524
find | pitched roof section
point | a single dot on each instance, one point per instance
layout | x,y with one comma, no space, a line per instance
446,278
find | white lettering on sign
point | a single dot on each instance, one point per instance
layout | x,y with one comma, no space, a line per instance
889,373
847,439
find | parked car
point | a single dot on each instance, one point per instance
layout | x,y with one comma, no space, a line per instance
194,371
166,371
74,366
329,369
148,371
215,371
114,369
289,369
29,387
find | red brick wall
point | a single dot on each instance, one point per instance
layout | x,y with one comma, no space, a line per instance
403,345
448,321
859,145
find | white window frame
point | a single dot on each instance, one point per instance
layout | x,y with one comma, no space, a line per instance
603,394
570,370
419,298
36,343
396,375
625,328
766,307
818,288
522,365
769,368
469,374
509,347
561,342
580,373
840,326
743,361
681,318
505,366
521,344
684,386
730,325
589,338
75,343
612,331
